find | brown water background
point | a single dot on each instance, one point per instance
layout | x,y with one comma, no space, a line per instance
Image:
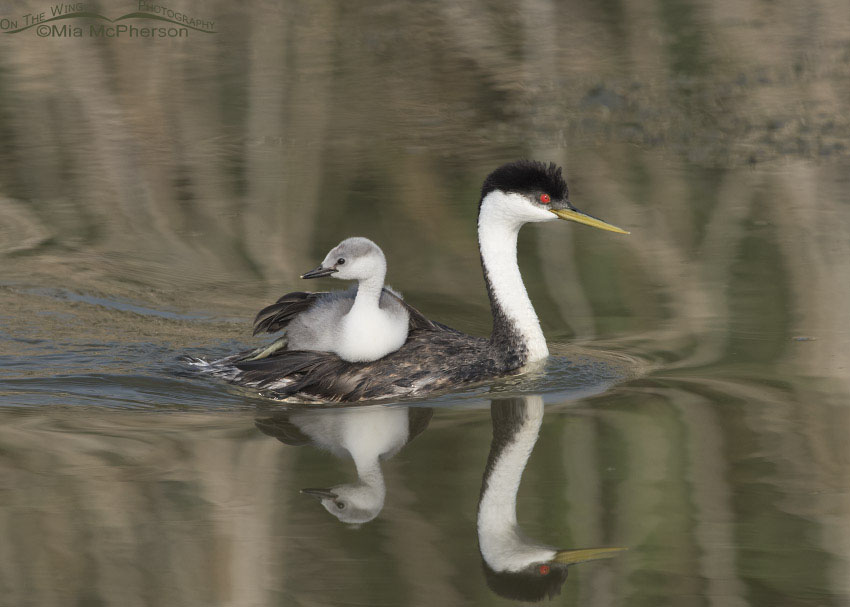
155,193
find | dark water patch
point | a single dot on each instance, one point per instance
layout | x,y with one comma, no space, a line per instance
115,391
111,304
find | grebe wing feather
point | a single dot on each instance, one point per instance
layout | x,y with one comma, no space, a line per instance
418,321
275,317
429,360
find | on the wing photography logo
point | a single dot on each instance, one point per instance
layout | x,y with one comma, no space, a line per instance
80,20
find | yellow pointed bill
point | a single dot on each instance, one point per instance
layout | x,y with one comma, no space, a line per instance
571,557
587,220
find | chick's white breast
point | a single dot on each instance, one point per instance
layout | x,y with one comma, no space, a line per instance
372,335
328,327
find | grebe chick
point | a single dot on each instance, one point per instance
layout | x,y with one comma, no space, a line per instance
434,357
358,325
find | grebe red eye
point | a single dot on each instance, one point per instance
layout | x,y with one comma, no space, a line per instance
543,569
545,199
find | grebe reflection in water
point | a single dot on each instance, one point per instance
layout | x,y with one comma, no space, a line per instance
515,565
368,435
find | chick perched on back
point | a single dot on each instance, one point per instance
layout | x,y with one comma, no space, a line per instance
358,325
433,356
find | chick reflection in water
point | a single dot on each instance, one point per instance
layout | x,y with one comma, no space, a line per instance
516,566
367,435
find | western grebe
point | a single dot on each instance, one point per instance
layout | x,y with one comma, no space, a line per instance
516,566
357,325
435,356
368,435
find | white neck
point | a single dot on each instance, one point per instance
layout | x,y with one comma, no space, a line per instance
498,228
370,491
369,290
370,474
503,545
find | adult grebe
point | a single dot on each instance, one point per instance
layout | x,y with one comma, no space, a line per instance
434,357
516,566
357,325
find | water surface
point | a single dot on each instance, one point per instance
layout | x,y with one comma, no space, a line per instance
155,194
